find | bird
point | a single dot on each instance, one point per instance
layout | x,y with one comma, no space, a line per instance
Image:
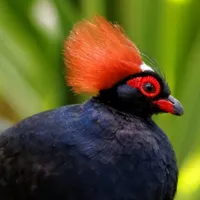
106,148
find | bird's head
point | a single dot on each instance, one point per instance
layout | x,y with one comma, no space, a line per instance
101,60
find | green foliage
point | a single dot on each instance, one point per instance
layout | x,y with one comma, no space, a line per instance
32,70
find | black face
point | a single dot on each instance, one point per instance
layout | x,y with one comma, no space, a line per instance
143,94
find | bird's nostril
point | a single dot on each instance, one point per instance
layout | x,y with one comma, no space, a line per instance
172,99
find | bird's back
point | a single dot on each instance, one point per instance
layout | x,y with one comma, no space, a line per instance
88,152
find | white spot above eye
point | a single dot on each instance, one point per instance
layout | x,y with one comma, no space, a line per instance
145,67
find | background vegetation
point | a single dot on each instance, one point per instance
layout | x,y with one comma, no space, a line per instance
31,62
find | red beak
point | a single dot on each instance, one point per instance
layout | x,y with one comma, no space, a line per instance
170,105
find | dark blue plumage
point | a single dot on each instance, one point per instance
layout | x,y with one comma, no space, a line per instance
107,148
89,152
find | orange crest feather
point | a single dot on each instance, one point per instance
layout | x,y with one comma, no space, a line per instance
98,55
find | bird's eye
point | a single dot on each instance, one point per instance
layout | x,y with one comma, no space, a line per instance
149,87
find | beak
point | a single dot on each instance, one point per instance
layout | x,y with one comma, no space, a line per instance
170,105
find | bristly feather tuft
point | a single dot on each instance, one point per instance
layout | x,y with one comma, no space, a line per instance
98,55
153,64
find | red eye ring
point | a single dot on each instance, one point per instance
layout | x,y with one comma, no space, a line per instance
141,84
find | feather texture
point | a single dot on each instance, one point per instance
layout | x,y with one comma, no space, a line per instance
98,55
86,152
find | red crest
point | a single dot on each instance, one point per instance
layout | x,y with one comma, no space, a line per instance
98,54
